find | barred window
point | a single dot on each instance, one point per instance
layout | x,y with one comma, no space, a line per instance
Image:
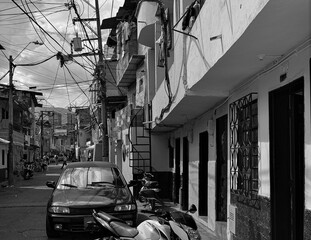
244,145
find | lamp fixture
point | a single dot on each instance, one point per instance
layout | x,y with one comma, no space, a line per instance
262,56
216,37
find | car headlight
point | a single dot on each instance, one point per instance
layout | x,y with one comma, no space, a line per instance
59,210
193,234
125,207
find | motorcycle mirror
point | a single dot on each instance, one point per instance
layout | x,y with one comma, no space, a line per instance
192,208
132,183
51,184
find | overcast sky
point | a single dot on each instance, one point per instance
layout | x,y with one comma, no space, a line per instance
61,86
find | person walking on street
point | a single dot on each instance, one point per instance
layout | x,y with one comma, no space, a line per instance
64,161
56,159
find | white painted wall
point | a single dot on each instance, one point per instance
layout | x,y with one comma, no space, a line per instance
216,17
159,153
297,65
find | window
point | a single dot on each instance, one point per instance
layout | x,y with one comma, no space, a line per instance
244,145
5,114
141,85
3,157
91,177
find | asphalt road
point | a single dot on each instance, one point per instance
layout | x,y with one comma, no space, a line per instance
23,207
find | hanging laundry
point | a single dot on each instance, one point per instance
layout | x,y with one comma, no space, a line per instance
119,39
192,11
165,26
126,31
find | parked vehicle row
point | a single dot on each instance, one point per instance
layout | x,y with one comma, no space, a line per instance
94,197
167,225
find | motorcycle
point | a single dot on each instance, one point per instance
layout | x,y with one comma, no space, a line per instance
170,225
27,170
148,192
182,224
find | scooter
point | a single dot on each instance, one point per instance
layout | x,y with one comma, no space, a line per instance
27,170
116,229
168,225
182,224
148,193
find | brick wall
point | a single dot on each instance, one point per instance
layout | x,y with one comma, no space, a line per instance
252,218
307,227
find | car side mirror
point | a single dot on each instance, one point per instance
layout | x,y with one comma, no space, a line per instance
132,183
51,184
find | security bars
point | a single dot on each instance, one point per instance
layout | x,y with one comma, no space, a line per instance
244,146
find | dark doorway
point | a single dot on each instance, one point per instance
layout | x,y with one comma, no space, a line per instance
185,174
177,171
221,168
286,110
203,173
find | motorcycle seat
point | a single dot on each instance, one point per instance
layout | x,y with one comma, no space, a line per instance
152,184
118,225
108,218
123,230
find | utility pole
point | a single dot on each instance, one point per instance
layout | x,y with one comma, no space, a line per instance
11,105
101,78
41,136
101,75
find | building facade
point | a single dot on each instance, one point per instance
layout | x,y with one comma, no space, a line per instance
24,144
227,85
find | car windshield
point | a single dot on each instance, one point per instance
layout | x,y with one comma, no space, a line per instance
90,177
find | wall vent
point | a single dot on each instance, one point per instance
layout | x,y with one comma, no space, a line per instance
232,218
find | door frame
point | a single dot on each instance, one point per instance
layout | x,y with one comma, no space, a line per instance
286,173
203,174
221,168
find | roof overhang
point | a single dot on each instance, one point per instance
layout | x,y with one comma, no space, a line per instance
278,29
129,74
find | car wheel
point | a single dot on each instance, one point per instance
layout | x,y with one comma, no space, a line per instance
50,232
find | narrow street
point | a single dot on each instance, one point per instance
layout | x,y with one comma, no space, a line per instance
23,209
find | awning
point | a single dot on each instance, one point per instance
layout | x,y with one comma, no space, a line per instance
90,147
4,141
110,23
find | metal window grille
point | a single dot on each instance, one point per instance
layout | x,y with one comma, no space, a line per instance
244,146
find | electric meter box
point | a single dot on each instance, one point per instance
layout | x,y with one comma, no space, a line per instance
77,44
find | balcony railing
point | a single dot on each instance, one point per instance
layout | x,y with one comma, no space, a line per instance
128,60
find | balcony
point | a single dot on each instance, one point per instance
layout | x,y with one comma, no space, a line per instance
225,53
128,61
146,20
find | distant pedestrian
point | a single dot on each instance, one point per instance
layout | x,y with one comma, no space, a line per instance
44,164
46,159
64,161
56,159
